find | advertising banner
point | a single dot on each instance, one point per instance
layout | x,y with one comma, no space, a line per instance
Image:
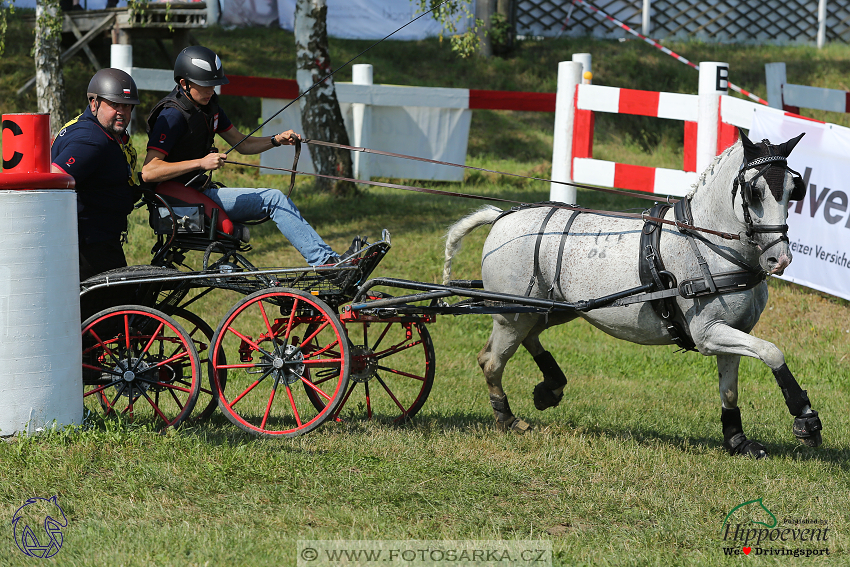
819,225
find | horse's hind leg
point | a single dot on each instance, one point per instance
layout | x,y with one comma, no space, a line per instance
504,340
730,414
549,392
724,340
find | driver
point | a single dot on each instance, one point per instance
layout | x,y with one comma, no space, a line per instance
181,131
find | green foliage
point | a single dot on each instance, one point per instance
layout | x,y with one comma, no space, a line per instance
450,13
6,8
49,23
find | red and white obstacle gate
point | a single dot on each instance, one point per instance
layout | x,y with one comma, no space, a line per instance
710,120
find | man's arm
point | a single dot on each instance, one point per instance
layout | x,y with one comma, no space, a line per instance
157,170
253,145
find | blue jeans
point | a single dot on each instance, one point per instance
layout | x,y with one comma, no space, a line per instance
244,204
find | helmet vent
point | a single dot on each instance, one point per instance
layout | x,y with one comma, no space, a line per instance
200,63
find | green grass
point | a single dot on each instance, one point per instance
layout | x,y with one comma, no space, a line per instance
628,470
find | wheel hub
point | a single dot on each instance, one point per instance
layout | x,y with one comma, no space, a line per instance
288,367
363,364
130,377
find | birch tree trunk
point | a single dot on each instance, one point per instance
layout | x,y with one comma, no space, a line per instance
320,113
49,80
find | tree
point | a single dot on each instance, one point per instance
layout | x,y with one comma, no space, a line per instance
320,113
490,33
49,80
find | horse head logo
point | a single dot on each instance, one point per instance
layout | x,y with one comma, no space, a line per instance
751,511
34,512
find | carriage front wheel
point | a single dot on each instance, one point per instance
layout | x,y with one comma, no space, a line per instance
140,364
275,342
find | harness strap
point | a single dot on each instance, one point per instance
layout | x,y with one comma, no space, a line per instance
557,278
537,251
651,269
740,262
682,211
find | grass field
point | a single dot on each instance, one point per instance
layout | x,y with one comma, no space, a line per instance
628,470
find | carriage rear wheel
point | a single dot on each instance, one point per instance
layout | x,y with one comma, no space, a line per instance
202,335
275,341
392,370
140,364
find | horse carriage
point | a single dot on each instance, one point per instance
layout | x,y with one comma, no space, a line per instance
304,343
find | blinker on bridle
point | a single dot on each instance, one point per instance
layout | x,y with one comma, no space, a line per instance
748,193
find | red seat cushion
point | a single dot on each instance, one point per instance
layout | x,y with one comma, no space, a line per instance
176,191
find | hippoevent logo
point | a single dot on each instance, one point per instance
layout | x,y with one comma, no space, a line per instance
750,528
37,527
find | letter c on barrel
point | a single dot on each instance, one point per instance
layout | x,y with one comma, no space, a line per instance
17,156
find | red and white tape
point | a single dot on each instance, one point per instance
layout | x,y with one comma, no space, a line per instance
657,45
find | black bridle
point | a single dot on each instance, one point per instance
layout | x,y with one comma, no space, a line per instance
750,193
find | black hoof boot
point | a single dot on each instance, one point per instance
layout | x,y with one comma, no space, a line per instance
553,379
807,429
545,398
733,436
505,419
807,426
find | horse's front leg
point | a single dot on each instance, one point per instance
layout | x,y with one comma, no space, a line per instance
721,339
730,414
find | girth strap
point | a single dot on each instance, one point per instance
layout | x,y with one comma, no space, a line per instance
556,279
540,233
651,270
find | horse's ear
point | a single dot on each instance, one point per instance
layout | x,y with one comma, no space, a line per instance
751,152
786,148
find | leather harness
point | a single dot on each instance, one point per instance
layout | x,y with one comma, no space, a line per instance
653,276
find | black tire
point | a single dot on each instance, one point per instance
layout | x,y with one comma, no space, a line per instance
272,351
139,363
392,370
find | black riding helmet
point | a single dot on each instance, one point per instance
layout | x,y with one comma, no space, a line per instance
113,85
200,66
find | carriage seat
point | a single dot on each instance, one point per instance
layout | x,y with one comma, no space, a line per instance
194,213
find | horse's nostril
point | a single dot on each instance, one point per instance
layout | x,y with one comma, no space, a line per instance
772,261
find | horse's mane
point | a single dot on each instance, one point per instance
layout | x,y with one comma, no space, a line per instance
709,171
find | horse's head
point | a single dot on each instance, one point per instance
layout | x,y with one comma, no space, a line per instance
764,186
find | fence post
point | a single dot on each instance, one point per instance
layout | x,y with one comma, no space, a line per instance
569,77
713,82
821,23
646,21
362,122
774,75
121,57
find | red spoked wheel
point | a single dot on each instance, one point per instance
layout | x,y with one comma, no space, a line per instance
271,358
392,370
202,335
140,364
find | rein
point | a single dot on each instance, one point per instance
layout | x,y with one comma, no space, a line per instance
643,216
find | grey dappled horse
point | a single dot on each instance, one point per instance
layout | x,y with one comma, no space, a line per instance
547,252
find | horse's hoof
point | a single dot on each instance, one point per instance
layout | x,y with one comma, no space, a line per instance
516,425
544,398
807,429
814,441
740,445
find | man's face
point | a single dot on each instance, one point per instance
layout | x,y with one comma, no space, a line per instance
114,117
201,95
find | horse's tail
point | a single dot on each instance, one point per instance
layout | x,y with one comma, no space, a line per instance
454,235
